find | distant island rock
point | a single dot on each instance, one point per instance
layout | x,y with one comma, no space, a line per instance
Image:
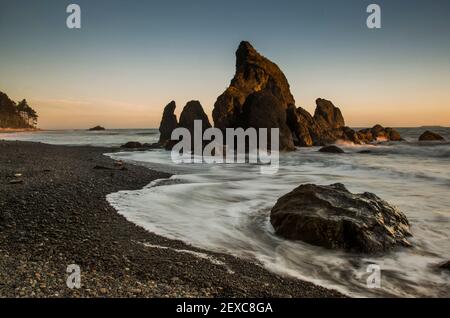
97,128
333,217
16,115
430,136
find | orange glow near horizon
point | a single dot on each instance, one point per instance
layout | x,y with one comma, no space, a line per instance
358,112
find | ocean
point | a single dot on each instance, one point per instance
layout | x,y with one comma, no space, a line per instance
226,207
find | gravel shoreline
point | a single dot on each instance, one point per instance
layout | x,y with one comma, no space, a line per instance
53,213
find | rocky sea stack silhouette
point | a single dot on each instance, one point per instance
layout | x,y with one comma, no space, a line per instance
191,112
168,124
259,96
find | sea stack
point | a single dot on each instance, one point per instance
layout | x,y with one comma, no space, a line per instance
259,96
191,112
168,124
262,88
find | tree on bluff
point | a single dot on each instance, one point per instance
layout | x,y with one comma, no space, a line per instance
28,114
14,115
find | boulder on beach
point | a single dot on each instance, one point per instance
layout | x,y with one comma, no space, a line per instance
132,145
168,124
331,149
430,136
97,128
332,217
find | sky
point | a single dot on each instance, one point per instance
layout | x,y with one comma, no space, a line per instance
132,57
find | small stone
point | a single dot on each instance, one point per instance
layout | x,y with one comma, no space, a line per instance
98,167
331,149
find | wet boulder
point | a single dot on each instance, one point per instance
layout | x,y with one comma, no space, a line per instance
392,134
365,136
132,145
378,133
332,217
331,149
430,136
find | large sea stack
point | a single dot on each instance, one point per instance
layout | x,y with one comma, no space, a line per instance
257,97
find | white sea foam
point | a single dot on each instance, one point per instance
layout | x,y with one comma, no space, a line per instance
226,208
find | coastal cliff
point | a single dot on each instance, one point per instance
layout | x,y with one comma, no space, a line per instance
16,115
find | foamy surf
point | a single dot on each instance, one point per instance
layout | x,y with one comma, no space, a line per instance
226,208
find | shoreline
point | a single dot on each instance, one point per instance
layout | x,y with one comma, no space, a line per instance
56,214
16,130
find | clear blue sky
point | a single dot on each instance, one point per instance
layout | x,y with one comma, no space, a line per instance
132,57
